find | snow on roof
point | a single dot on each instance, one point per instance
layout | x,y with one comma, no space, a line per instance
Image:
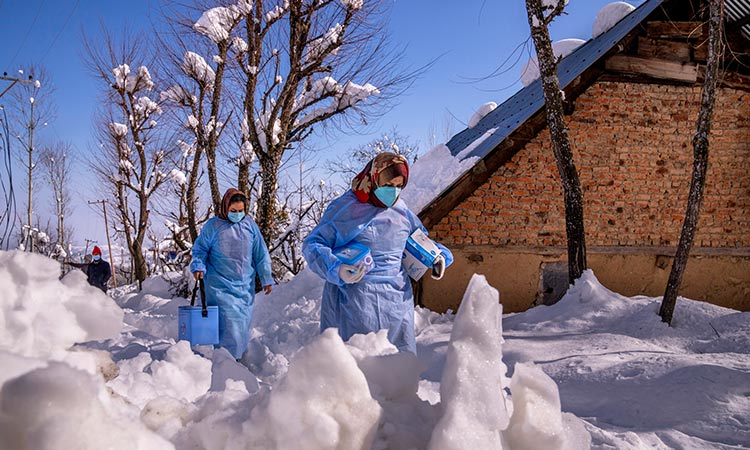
561,48
608,17
477,140
515,111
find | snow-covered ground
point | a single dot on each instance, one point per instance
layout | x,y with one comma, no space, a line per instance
596,367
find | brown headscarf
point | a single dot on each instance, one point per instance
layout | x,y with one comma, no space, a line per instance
231,192
365,183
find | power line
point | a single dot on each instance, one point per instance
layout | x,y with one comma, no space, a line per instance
28,32
57,36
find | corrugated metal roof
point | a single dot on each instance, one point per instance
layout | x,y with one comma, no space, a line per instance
525,103
737,10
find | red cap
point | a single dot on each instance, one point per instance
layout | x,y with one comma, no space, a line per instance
96,251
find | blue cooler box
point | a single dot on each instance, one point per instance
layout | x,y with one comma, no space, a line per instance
198,324
197,329
355,255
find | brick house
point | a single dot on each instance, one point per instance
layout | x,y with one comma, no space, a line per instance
632,99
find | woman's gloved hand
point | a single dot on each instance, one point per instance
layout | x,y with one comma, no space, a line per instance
351,274
438,268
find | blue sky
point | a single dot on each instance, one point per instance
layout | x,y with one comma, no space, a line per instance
469,38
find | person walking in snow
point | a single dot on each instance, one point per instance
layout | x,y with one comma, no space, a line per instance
98,271
370,214
228,253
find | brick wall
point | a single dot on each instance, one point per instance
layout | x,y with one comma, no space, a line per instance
632,147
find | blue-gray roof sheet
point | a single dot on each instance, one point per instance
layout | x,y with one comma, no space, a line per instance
525,103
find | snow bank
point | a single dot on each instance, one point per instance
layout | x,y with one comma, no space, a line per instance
181,375
608,17
431,174
323,403
41,316
561,48
473,401
537,423
61,407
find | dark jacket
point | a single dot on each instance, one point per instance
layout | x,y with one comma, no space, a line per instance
98,274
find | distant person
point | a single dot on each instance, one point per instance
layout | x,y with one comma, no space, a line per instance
228,253
370,214
98,270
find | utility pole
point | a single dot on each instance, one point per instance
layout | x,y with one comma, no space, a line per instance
32,125
14,80
109,246
88,241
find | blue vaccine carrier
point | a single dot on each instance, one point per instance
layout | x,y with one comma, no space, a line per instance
356,255
198,324
419,255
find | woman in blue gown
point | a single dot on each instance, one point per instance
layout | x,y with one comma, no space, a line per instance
370,214
228,253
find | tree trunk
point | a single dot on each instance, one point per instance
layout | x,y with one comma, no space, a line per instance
213,137
700,161
560,142
191,205
267,217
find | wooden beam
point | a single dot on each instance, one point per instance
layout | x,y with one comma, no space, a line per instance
663,49
654,68
677,30
700,52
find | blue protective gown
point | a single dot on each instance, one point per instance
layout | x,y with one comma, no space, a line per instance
383,298
230,254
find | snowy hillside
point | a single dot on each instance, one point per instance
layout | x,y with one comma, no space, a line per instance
621,378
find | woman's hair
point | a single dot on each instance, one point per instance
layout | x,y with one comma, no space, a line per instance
236,198
393,171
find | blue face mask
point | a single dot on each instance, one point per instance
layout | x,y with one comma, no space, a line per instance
97,257
235,217
387,194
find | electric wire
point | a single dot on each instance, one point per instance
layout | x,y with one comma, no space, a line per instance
57,36
28,32
7,224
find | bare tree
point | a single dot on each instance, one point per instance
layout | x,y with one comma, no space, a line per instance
197,89
131,139
442,131
303,208
298,64
540,14
57,164
700,159
32,107
178,220
392,141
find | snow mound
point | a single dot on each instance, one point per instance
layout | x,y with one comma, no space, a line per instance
431,174
283,322
481,112
537,422
561,49
42,316
474,409
61,407
299,412
608,17
181,375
